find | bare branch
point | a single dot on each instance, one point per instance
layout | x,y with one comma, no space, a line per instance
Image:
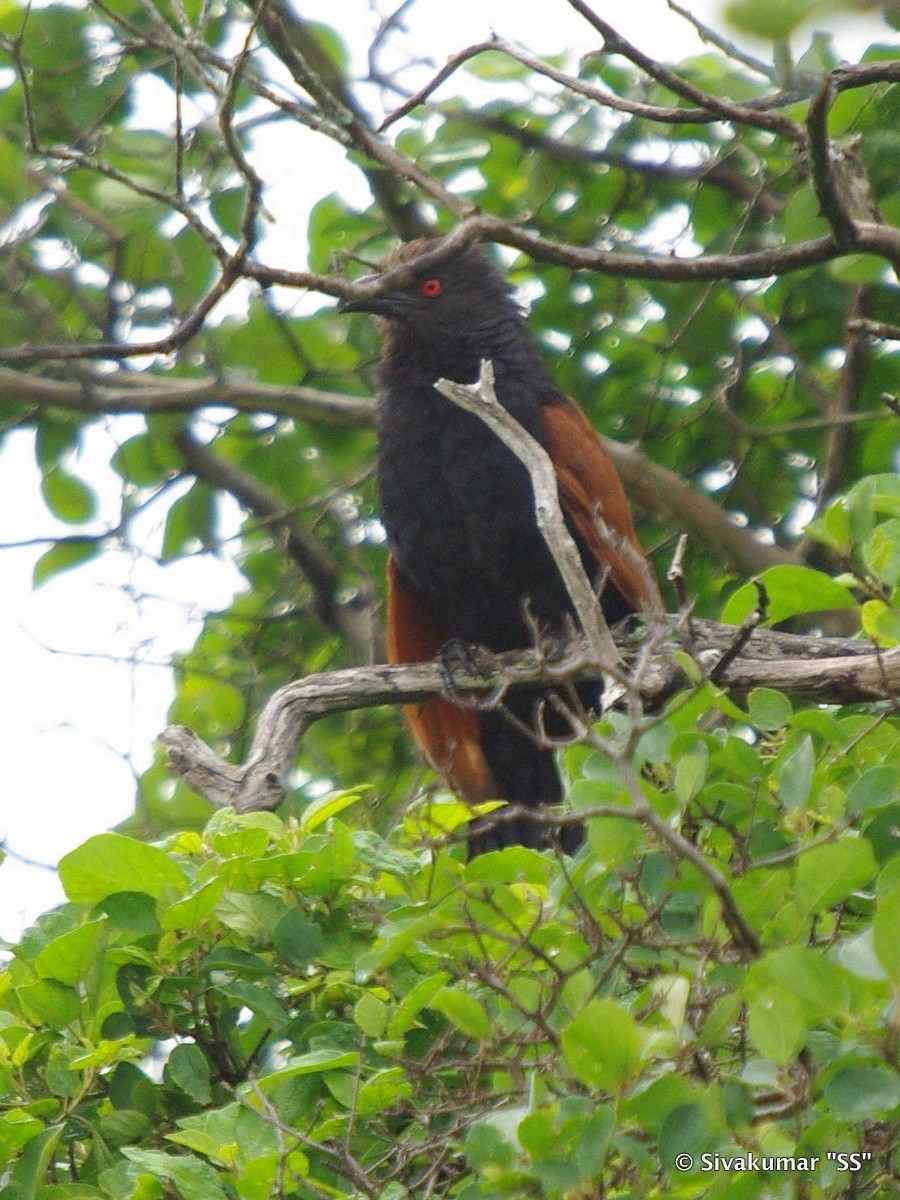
730,49
129,392
715,110
649,485
685,850
883,240
480,399
879,239
323,574
865,74
297,45
822,162
876,329
675,573
191,325
826,670
661,491
715,106
833,459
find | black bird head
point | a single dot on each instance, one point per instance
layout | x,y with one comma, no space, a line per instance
459,297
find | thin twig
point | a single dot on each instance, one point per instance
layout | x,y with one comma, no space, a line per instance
730,49
675,573
742,637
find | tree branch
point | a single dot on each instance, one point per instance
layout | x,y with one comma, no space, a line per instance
321,571
729,49
649,485
717,171
823,670
718,108
876,329
128,392
670,497
832,203
715,110
299,48
871,237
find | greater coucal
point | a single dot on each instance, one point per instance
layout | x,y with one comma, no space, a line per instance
467,560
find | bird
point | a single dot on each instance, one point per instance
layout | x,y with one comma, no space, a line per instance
467,564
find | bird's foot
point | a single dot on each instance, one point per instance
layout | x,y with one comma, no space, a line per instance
457,655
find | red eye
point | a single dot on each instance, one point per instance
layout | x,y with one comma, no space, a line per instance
431,288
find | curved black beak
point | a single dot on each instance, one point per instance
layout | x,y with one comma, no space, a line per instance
351,306
372,304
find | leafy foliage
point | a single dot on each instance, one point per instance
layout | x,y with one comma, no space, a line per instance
302,1007
331,1002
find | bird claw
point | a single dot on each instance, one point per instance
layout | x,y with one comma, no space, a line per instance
457,655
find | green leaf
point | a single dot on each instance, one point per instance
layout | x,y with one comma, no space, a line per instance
792,591
795,774
195,1180
833,527
886,933
371,1015
488,1148
414,1001
829,874
877,787
771,20
802,220
49,1003
71,552
318,812
297,939
228,209
383,1090
193,910
493,64
67,497
768,709
819,984
721,1021
863,1093
602,1046
687,1129
70,957
221,702
144,461
190,521
614,840
510,864
690,774
111,863
35,1165
881,623
857,268
777,1025
187,1068
464,1010
881,552
314,1063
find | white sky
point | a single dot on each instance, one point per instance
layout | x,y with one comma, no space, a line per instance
87,685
